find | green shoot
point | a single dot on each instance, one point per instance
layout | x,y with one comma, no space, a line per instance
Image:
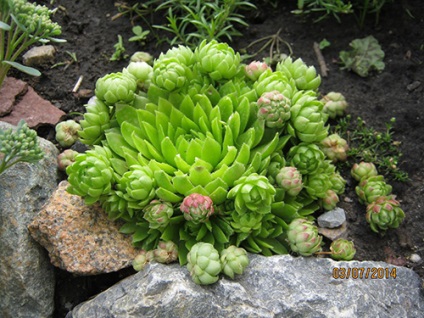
119,53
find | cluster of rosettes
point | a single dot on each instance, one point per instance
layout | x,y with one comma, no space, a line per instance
35,19
383,211
20,145
201,148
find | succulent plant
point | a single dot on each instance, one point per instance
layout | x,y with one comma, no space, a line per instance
384,213
204,264
169,74
303,237
337,182
371,188
363,170
189,158
274,109
217,60
335,147
342,250
317,185
290,179
330,200
67,132
91,175
139,186
335,104
274,81
306,157
307,121
142,73
96,121
141,260
252,193
247,222
158,214
166,252
197,208
141,56
116,87
66,158
234,260
306,78
255,69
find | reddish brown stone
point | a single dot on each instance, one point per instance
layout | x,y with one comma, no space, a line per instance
34,110
79,238
11,89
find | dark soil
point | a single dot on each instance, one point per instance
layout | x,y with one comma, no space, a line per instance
91,34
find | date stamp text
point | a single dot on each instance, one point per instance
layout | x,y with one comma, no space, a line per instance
364,272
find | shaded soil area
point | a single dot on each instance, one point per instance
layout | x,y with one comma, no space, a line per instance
396,92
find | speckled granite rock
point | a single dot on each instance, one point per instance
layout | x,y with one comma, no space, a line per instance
80,238
26,276
277,286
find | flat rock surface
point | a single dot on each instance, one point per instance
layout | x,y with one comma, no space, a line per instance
11,89
80,238
33,109
277,286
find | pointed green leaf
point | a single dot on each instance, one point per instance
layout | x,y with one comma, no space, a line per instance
248,138
234,123
187,107
219,235
211,151
226,108
145,116
219,195
164,180
116,142
127,130
169,151
243,108
168,196
202,232
26,69
182,184
126,114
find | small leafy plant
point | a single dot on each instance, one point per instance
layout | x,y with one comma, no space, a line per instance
139,35
369,145
23,24
336,8
365,55
192,21
18,146
326,7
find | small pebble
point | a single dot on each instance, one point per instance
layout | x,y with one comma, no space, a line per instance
413,86
415,258
39,55
332,219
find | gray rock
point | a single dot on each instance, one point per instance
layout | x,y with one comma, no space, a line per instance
39,55
332,219
277,286
26,275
